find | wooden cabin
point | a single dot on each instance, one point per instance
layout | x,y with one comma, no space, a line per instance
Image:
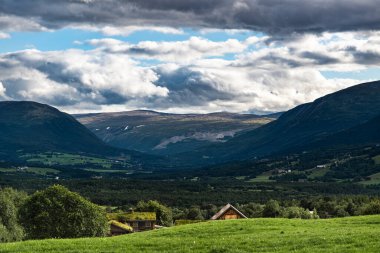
138,221
228,212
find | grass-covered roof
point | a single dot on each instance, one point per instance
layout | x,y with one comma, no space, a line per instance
121,225
130,216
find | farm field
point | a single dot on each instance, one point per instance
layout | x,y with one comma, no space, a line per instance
354,234
35,170
263,178
377,159
374,179
67,159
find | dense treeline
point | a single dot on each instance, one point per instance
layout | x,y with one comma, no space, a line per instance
321,207
192,191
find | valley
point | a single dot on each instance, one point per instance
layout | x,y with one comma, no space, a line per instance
329,143
189,126
320,158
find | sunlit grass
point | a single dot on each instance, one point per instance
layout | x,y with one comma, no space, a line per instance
356,234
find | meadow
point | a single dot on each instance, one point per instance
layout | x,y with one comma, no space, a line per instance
353,234
66,159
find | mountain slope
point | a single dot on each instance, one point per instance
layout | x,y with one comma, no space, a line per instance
366,133
303,125
34,127
165,134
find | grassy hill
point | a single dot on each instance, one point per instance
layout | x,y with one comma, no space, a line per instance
354,234
32,128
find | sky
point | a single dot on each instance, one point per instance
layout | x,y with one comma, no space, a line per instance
185,56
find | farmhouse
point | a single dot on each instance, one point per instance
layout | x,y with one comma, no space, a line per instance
228,212
138,221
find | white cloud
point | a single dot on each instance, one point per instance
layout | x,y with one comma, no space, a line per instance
267,75
13,23
2,91
72,77
128,30
176,51
4,35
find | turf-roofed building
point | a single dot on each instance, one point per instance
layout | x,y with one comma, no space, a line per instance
137,221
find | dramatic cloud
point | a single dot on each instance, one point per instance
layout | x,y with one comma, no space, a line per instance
270,16
194,76
72,77
177,51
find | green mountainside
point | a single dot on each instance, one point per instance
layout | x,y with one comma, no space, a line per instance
29,127
342,113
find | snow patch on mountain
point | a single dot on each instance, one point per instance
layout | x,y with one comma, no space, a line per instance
198,136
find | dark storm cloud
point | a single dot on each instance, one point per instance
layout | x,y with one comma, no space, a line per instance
187,88
365,57
272,16
319,59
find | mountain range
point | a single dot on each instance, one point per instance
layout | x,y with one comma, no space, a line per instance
350,117
167,134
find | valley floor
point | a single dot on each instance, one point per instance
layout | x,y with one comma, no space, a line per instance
354,234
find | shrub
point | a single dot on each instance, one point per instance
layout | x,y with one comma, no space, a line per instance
295,212
57,212
371,208
164,214
252,210
195,213
10,201
272,209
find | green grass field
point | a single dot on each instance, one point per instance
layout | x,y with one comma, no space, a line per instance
109,171
377,159
35,170
375,179
262,178
67,159
318,172
355,234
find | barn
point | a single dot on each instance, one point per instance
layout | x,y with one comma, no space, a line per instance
228,212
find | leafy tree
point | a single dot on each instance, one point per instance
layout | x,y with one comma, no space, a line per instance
371,208
164,214
57,212
294,212
252,210
195,213
315,214
209,210
179,213
272,209
10,201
